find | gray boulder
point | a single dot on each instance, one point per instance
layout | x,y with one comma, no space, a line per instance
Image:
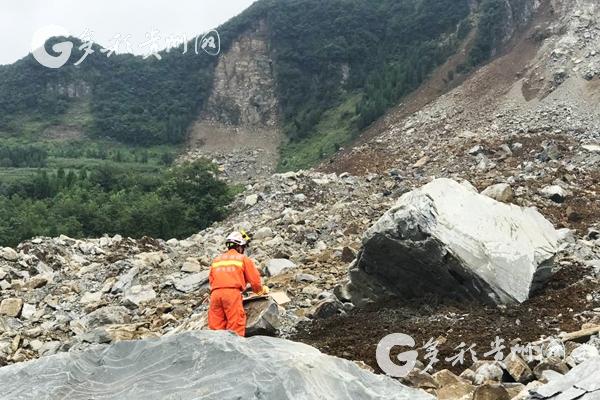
9,254
263,233
499,192
106,316
278,266
139,294
581,383
555,193
446,240
127,278
199,365
262,317
326,308
192,282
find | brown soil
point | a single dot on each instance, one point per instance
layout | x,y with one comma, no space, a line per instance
557,308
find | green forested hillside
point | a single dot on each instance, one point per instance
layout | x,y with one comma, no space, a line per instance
386,48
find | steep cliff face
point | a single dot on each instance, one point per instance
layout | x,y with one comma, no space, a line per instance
243,88
240,119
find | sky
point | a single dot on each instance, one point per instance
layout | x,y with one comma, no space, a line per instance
25,21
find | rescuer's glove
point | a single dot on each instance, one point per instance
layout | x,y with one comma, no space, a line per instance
264,291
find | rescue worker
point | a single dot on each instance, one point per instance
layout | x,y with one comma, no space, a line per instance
229,275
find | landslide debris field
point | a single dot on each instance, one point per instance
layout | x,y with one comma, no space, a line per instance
492,130
560,306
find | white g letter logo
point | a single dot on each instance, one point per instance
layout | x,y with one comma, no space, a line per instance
384,348
63,48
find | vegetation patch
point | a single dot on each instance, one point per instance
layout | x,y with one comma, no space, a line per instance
108,200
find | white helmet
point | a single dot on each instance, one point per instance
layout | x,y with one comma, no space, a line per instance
236,238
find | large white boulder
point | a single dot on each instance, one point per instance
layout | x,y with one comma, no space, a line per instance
199,365
447,240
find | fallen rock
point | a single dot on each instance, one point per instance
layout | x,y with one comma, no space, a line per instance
49,348
126,279
501,192
191,265
278,266
553,364
446,377
446,240
128,332
592,148
11,307
468,374
263,233
582,383
90,297
139,294
326,308
28,311
106,316
491,391
549,375
262,317
419,379
555,193
517,368
456,391
582,354
97,335
421,162
488,372
525,394
348,254
301,277
582,335
475,150
513,389
194,365
37,282
192,282
9,254
251,200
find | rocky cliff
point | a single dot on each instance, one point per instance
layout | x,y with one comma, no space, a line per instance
239,124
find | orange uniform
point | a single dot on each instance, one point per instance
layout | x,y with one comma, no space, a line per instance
229,275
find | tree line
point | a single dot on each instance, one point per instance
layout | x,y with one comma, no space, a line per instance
110,200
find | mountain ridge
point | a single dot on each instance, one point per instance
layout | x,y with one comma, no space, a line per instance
329,67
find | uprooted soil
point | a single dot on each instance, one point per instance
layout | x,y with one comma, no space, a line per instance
560,306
